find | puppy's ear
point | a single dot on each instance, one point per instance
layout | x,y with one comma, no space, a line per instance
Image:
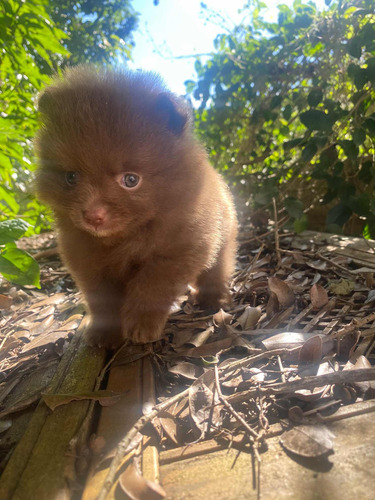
172,111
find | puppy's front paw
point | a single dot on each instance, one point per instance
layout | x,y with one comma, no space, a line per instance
143,327
106,338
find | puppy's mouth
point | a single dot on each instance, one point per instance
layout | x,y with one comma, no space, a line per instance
101,231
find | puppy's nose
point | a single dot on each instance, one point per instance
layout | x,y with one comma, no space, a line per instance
95,216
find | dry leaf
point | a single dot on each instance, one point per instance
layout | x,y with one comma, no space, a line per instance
318,296
210,349
169,426
273,306
187,370
222,318
342,287
308,441
282,290
105,398
202,402
139,488
249,318
5,301
311,351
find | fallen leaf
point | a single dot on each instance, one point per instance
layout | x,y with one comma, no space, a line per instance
282,290
201,338
273,306
210,349
139,488
222,318
308,441
342,287
187,370
5,301
249,318
318,296
105,398
202,402
311,351
5,425
169,426
287,340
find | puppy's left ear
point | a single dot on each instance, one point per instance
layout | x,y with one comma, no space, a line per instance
172,111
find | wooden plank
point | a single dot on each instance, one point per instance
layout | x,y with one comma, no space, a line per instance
41,460
227,474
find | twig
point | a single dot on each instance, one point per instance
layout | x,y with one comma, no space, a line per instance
343,377
342,416
254,437
229,407
123,445
277,239
332,262
354,325
253,359
282,223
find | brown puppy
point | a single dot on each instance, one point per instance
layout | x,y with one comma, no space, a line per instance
140,211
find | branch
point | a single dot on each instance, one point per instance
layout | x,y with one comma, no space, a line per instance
343,377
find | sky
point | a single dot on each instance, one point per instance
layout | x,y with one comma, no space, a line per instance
176,28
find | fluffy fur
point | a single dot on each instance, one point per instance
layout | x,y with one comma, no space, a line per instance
132,249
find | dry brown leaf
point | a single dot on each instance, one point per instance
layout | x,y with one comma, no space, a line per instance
287,340
187,370
282,290
249,318
318,296
201,338
105,398
273,306
311,351
202,407
139,488
169,426
210,349
308,440
5,301
222,318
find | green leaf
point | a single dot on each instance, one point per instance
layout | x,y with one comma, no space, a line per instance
339,214
355,47
19,267
309,152
350,149
316,120
315,97
294,207
287,112
300,224
359,136
11,230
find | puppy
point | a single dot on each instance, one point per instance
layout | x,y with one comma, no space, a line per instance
140,211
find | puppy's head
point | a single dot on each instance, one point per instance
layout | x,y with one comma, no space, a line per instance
110,149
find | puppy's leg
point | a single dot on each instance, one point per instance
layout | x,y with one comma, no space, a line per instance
213,283
150,295
104,301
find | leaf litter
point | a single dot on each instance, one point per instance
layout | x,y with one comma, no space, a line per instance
237,374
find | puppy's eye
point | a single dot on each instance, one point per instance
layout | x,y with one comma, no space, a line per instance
71,178
130,180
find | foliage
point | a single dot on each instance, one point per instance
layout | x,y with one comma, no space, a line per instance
26,34
287,109
100,31
37,38
16,265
